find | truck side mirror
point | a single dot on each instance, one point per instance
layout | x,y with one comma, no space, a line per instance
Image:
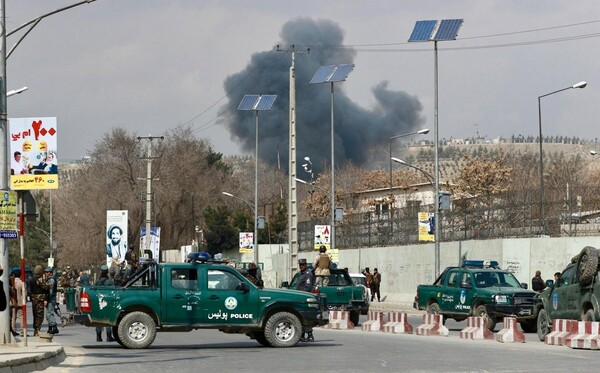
549,283
524,285
243,287
285,284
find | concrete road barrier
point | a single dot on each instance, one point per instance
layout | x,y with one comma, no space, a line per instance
560,330
510,332
339,320
585,336
432,325
397,323
374,322
476,329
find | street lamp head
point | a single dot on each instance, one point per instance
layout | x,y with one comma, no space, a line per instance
424,131
398,160
307,159
227,194
301,181
579,85
593,152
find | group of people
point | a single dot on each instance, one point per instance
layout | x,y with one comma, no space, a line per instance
538,284
373,282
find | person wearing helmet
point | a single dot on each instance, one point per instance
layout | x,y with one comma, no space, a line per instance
253,276
39,298
322,265
104,280
51,304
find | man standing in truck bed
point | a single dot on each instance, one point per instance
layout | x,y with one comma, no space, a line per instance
322,264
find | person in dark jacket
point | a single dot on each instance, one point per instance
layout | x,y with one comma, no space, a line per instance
305,283
50,313
104,280
537,283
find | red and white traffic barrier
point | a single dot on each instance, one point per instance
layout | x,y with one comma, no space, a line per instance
374,322
560,330
432,325
585,335
510,332
397,323
339,320
476,329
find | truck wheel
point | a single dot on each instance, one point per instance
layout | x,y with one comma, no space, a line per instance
136,330
543,327
355,317
115,334
481,311
433,309
283,329
589,315
587,265
529,326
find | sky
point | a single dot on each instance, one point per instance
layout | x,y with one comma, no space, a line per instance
151,66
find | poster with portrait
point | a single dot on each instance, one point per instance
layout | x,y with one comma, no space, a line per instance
8,215
246,242
33,153
322,236
426,226
116,237
152,252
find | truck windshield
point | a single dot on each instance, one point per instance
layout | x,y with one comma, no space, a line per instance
490,279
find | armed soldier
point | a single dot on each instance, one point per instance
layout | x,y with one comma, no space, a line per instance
51,303
133,261
322,265
39,298
305,283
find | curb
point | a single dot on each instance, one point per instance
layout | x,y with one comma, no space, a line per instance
33,359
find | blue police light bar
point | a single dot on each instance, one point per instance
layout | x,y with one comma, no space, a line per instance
480,263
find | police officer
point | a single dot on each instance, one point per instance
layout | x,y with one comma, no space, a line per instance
51,304
39,297
104,280
305,283
133,261
322,264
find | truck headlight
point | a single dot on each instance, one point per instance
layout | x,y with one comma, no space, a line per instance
499,298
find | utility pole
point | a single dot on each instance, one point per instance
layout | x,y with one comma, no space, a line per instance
5,315
149,197
292,199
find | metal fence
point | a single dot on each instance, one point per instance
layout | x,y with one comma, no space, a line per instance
509,215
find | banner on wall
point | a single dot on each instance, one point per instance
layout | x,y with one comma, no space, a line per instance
33,153
426,226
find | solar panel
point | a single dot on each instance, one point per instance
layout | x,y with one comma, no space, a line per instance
448,29
265,102
322,74
248,102
422,31
341,73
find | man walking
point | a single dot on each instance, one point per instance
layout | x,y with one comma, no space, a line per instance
375,284
50,313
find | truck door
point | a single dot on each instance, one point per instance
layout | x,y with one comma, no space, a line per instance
182,296
450,299
562,300
224,302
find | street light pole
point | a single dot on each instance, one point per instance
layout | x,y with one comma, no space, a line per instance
254,210
542,196
427,174
419,132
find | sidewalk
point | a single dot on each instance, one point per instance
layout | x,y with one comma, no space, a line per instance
38,355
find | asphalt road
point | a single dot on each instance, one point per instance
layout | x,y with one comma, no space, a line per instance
333,351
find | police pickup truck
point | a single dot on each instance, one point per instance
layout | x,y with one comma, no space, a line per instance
478,288
199,295
341,292
575,296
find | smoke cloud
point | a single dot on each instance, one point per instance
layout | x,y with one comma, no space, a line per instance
357,130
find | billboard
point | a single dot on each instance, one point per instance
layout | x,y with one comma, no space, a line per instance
322,236
8,215
154,249
116,237
246,242
426,226
33,153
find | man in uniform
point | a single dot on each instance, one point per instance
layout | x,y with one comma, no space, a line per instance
104,280
39,296
305,283
51,304
322,265
254,277
133,261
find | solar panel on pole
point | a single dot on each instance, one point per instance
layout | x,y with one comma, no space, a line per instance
422,31
265,102
248,102
341,73
448,29
322,74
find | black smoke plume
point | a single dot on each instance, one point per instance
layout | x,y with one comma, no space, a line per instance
357,130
